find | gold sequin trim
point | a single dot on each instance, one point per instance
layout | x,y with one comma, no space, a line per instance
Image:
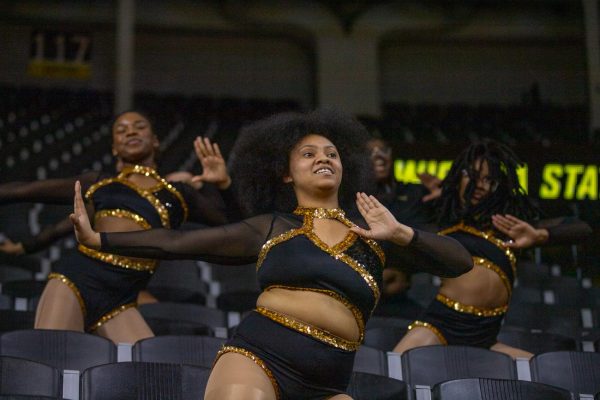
322,213
275,241
337,248
120,213
489,236
463,308
162,211
340,215
256,360
71,285
353,309
138,264
147,171
335,252
310,330
376,248
484,262
358,267
427,325
107,317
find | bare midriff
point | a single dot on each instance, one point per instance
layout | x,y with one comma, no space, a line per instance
313,308
480,287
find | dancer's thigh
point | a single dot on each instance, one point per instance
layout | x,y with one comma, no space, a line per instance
235,376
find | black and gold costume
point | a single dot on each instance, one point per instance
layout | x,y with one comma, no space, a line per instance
302,361
106,284
455,323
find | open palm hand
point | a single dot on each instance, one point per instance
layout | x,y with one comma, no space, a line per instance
81,222
214,169
382,223
523,234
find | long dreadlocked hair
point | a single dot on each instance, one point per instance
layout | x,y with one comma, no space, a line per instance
509,197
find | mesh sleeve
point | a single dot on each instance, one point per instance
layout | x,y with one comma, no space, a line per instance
565,230
236,244
432,253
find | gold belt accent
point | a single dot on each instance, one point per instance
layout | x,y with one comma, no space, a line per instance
353,309
480,312
427,325
256,360
120,261
317,333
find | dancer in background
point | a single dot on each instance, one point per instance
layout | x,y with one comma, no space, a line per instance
483,206
410,204
94,291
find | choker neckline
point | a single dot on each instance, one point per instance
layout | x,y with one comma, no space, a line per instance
320,212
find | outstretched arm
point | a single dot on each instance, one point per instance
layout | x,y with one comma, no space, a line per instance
49,191
238,243
546,232
432,253
45,238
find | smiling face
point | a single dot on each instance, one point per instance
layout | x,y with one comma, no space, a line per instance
381,159
315,167
484,183
133,139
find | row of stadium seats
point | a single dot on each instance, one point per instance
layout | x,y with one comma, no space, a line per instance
73,353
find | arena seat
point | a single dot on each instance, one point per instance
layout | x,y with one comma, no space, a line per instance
537,342
429,365
365,386
12,320
183,319
21,377
61,349
371,360
193,350
578,372
496,389
545,317
140,380
178,281
384,338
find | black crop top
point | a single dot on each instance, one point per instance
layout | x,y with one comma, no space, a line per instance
290,255
487,251
165,205
350,271
161,206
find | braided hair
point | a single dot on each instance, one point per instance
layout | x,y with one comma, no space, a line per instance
506,196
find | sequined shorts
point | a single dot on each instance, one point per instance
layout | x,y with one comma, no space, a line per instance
459,328
103,290
299,366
